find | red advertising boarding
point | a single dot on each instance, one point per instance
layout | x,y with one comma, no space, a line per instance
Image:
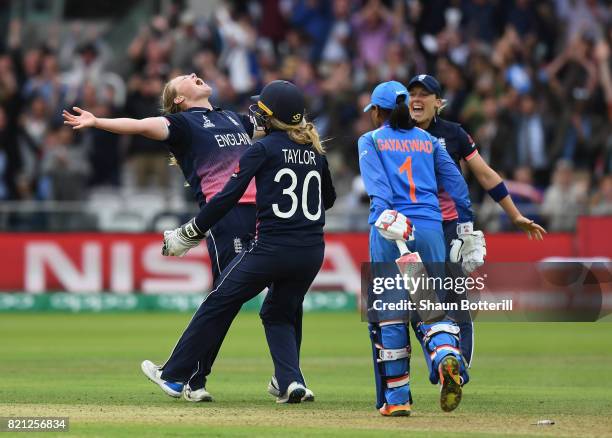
127,263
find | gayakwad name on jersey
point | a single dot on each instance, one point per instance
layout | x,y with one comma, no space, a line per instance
232,139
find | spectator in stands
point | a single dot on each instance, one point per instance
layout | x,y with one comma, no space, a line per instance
5,177
314,19
9,113
46,80
564,200
530,79
239,39
65,167
601,202
185,43
373,27
531,140
103,148
337,45
527,197
148,159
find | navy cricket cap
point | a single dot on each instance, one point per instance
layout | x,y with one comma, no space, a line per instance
385,95
428,82
282,100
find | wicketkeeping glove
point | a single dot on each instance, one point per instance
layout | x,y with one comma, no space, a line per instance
393,226
469,249
180,240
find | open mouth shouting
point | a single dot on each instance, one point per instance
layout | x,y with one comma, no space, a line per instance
417,109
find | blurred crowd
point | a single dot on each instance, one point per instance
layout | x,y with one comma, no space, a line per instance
529,80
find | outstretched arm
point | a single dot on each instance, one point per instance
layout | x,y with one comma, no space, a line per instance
493,183
155,128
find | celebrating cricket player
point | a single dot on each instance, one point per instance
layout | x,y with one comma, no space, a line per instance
425,105
294,188
401,166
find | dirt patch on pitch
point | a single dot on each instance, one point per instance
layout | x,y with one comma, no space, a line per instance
304,416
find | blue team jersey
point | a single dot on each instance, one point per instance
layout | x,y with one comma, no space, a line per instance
207,145
459,146
294,188
402,170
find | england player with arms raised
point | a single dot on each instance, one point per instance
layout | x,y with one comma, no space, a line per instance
402,167
206,142
294,189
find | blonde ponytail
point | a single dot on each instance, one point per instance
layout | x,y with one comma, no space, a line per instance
304,133
441,107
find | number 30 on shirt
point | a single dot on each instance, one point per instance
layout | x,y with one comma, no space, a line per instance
290,191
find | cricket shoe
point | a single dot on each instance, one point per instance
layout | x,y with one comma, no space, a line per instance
395,410
450,383
295,392
153,373
199,395
273,390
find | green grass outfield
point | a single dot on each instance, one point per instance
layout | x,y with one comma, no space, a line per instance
87,367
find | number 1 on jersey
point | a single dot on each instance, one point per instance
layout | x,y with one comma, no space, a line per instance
407,167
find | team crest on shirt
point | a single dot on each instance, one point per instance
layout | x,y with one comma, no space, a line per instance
207,122
442,142
233,121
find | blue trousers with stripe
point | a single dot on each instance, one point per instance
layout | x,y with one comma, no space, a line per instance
429,243
288,272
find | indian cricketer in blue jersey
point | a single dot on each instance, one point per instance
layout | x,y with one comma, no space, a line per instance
425,105
402,167
294,188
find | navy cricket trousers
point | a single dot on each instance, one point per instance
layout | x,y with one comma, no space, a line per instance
230,236
226,239
288,272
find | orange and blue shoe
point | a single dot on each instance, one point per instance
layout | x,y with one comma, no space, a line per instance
450,383
395,410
